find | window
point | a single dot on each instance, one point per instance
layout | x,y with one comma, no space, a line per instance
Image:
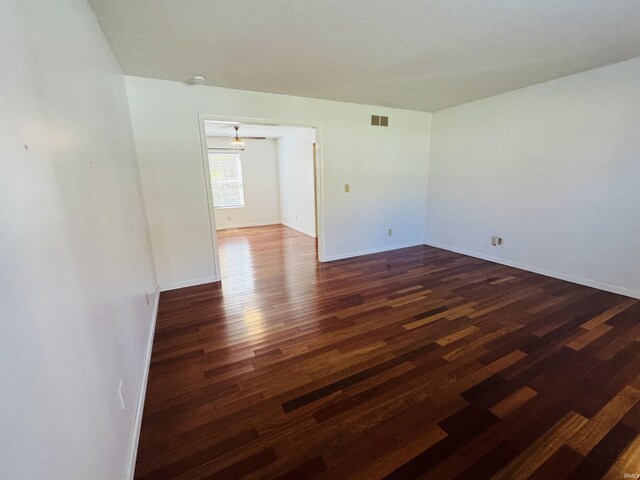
226,180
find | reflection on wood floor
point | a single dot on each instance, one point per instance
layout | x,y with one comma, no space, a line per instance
415,363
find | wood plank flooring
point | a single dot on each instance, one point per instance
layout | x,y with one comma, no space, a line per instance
415,363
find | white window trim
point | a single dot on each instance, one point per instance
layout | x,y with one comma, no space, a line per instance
240,181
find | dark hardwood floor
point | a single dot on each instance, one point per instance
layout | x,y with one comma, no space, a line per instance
415,363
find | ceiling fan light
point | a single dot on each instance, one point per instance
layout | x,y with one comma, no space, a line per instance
237,141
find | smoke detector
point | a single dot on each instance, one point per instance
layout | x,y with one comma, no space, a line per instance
198,80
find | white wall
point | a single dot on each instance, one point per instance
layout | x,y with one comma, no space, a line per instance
260,184
554,169
386,167
296,177
75,258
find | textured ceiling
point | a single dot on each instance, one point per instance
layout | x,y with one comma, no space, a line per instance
415,54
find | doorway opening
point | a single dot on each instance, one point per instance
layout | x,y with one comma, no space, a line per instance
264,194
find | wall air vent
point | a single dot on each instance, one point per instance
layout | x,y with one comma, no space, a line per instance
379,121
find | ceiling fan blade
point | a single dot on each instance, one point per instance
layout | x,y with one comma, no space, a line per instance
242,137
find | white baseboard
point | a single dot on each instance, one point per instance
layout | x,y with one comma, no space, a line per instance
188,283
542,271
141,394
298,229
369,251
245,225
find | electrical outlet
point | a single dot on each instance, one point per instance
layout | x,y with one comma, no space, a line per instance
120,395
146,296
390,232
346,188
495,240
229,216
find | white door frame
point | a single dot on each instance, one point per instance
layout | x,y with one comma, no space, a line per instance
319,190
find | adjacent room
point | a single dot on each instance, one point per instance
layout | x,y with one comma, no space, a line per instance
261,182
392,239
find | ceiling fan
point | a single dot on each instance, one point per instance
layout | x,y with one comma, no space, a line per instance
238,141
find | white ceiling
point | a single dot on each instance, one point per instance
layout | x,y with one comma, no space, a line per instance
415,54
217,129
